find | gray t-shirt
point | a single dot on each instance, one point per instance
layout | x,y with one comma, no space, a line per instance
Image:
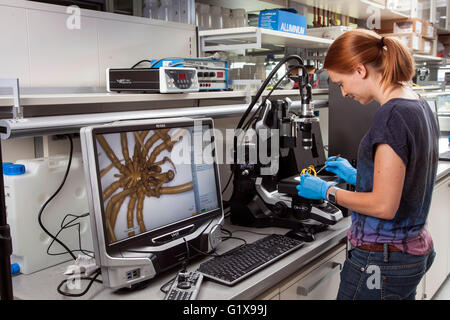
410,129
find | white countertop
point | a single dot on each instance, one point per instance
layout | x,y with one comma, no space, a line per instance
43,284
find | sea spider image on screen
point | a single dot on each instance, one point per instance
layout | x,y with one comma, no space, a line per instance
140,181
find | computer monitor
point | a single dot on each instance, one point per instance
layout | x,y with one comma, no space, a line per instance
154,191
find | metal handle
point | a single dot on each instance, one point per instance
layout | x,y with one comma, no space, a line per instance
14,84
312,283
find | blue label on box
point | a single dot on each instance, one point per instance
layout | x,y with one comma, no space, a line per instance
282,21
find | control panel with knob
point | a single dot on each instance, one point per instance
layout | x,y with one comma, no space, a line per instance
185,286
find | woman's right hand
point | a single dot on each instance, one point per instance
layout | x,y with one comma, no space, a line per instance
342,168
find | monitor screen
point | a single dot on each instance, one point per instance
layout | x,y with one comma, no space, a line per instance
153,177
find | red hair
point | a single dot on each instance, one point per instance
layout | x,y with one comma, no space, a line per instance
387,56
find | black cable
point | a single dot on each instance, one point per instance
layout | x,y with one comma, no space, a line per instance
223,254
302,82
228,238
53,196
204,253
67,226
262,234
248,123
162,288
226,231
140,63
92,280
228,182
266,82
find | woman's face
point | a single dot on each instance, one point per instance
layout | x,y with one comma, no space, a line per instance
353,85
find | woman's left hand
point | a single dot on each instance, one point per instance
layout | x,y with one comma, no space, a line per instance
311,187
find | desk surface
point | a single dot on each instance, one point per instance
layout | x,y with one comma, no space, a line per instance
43,284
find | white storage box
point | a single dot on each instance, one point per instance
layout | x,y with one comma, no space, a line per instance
328,32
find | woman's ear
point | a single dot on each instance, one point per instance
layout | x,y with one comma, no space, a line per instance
361,70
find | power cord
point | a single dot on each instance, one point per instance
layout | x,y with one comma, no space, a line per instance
52,197
67,226
138,63
55,239
92,280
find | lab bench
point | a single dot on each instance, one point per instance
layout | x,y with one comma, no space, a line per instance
43,284
299,275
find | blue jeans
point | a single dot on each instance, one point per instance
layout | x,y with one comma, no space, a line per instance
370,275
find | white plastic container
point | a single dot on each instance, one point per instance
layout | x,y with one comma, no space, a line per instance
216,17
239,17
226,18
24,196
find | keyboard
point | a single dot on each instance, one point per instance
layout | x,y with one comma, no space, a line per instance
237,264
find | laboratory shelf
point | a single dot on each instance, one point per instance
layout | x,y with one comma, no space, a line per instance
256,38
93,98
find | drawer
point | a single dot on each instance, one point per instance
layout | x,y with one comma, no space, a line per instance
322,283
272,294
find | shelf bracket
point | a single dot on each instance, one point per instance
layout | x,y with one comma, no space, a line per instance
17,110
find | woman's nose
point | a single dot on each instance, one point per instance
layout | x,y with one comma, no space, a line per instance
344,94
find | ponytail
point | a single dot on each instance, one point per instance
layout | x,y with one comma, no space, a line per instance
386,55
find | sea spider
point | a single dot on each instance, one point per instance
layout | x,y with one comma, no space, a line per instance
139,177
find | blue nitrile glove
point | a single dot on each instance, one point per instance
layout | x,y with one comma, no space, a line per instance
342,168
311,187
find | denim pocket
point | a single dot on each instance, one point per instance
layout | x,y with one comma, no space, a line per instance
400,287
359,258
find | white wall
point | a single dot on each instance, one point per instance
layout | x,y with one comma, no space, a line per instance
38,48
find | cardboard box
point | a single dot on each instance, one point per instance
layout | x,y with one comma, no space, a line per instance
410,25
416,43
429,31
426,46
410,40
281,20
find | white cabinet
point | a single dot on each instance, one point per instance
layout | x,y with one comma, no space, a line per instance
320,284
439,226
318,280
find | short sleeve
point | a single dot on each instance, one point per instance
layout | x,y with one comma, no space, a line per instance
391,128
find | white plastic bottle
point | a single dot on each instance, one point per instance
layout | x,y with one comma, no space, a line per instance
26,192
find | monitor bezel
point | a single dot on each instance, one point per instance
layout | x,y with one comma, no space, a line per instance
146,239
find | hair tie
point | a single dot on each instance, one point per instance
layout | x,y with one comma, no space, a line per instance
382,42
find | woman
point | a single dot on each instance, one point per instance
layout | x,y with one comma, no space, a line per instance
396,170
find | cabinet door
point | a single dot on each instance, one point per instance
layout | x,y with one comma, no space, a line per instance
320,284
438,224
420,289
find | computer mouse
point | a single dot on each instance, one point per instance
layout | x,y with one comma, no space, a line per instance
300,235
